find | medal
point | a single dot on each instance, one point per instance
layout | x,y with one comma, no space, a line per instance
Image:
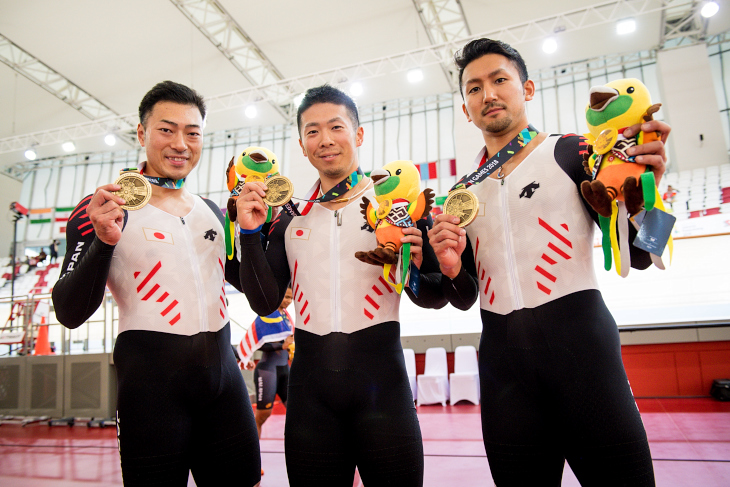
605,141
280,190
334,194
254,178
384,209
136,190
462,204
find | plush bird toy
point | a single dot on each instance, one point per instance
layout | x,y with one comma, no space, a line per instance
252,164
401,203
619,185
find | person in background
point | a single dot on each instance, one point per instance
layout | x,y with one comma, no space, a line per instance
670,195
54,250
271,374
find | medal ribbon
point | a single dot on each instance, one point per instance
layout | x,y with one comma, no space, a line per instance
337,191
158,181
487,167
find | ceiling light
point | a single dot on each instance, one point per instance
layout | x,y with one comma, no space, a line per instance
30,154
356,89
550,45
709,9
110,139
625,26
68,146
251,111
297,100
415,75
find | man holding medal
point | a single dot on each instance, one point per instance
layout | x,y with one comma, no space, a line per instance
182,405
553,385
349,398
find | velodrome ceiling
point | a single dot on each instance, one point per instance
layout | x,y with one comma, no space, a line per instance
116,51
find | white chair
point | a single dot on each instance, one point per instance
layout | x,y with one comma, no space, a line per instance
410,357
464,381
433,384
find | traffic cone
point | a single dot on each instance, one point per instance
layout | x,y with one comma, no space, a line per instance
42,345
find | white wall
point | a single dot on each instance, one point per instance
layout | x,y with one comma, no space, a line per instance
467,139
299,169
691,108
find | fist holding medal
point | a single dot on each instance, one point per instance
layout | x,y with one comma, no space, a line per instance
462,204
131,191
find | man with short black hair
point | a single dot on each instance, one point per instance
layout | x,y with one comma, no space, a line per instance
350,402
553,385
182,405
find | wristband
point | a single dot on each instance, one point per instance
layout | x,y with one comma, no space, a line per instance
248,232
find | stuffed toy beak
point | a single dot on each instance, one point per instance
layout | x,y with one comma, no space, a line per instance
379,176
601,97
258,156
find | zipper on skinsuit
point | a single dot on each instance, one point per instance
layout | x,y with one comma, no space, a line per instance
335,308
202,301
511,268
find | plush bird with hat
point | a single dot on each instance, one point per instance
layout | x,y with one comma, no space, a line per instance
251,164
400,203
616,176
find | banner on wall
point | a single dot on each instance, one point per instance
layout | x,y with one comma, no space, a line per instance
701,226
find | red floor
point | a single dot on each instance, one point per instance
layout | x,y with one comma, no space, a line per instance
689,439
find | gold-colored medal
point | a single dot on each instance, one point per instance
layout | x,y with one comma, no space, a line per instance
463,204
280,190
384,209
136,190
252,178
605,141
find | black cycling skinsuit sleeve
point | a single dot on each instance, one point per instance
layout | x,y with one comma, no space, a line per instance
265,276
80,288
429,292
569,151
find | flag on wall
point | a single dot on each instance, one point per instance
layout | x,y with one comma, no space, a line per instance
428,170
60,220
431,170
40,215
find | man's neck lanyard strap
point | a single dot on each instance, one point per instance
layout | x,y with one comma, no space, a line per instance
487,167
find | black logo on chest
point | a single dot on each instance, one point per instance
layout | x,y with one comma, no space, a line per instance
210,235
367,227
529,190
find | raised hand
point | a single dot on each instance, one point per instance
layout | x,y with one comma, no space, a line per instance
106,214
448,241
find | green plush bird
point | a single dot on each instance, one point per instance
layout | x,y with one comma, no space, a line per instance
251,164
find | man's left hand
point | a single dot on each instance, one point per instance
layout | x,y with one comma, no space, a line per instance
412,235
653,153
